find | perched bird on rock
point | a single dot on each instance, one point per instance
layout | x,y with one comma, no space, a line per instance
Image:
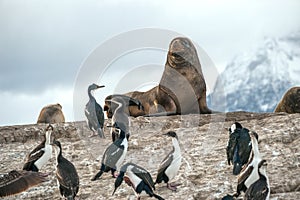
94,112
138,178
120,103
40,155
252,172
170,165
66,174
249,173
114,154
239,147
260,189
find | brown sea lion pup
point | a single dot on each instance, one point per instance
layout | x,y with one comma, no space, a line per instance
290,102
51,114
182,88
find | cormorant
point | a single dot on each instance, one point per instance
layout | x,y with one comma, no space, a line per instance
120,103
138,178
244,180
170,165
239,147
94,113
114,154
66,174
260,189
40,155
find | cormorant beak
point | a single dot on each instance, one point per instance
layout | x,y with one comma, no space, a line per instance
101,86
118,181
114,192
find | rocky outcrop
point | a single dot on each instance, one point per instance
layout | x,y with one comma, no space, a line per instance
204,173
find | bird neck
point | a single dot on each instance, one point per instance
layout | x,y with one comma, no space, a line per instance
58,153
262,172
90,94
255,150
120,107
263,175
176,145
48,137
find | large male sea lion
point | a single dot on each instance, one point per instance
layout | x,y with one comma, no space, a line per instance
182,88
51,114
290,102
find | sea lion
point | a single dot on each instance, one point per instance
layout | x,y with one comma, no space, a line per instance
182,88
290,102
51,114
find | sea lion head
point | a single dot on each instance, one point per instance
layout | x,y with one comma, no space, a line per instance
181,52
58,106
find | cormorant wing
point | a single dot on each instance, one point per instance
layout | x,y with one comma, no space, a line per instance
34,155
232,142
66,174
37,149
99,114
258,190
90,113
245,145
243,176
144,175
165,164
18,181
113,153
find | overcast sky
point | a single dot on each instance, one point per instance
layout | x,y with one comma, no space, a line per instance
43,44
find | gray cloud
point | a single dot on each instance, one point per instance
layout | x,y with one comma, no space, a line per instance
44,43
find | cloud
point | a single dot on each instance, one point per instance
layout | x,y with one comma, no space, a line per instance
44,43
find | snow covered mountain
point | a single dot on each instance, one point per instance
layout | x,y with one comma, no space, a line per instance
256,82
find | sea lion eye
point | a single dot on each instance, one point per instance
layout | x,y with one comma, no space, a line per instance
176,55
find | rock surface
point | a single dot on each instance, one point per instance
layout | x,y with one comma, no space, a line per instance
204,173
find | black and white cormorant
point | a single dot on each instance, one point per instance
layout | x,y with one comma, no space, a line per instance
119,104
170,165
94,113
114,154
138,178
16,182
260,189
249,173
66,174
239,147
40,155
